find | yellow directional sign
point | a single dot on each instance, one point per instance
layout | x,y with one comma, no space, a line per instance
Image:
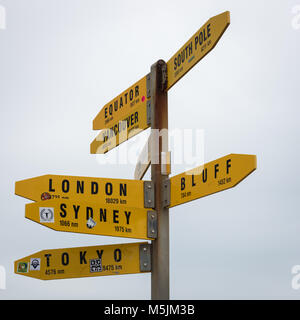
120,192
85,217
215,176
202,42
120,131
125,103
86,261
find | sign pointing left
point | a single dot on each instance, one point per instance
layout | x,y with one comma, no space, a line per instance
92,218
120,131
101,190
86,261
128,101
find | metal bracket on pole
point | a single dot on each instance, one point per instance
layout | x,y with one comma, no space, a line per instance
148,84
164,77
149,197
149,112
152,224
145,257
166,193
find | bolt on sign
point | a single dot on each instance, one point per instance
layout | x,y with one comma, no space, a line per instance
93,218
201,43
101,190
86,261
215,176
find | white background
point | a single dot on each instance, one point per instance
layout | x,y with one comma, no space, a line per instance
62,60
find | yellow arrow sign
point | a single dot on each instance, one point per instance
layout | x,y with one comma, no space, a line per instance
201,43
215,176
99,190
86,261
92,218
120,131
125,103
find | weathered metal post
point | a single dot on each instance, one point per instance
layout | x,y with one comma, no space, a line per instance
160,288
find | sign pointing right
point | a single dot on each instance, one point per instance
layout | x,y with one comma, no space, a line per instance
214,176
201,43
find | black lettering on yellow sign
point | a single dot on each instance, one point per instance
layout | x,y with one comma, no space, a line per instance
187,52
47,256
99,214
204,175
65,257
183,55
216,170
99,253
79,187
123,100
117,255
119,127
82,257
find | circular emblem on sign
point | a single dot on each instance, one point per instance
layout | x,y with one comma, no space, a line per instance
35,263
46,215
45,196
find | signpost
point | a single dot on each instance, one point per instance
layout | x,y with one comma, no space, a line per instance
86,261
129,208
93,218
215,176
160,279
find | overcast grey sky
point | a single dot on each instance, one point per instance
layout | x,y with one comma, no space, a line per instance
62,60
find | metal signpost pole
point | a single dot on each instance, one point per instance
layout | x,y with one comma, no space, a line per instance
160,287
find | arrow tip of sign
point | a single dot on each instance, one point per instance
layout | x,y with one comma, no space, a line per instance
94,125
16,187
228,15
255,161
20,186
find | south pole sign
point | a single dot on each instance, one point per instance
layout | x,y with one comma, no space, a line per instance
127,208
197,47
